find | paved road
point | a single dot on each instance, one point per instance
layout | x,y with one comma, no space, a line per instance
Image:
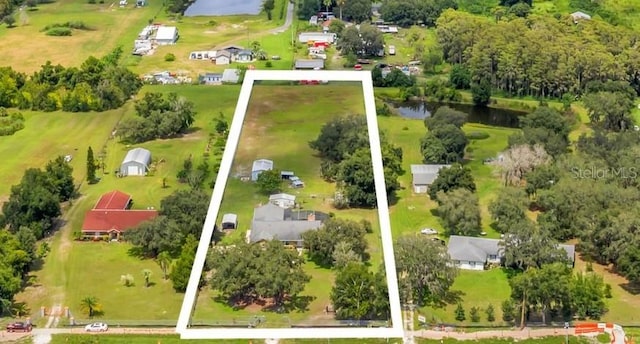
287,21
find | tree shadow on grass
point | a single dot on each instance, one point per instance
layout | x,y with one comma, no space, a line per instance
136,252
631,288
452,297
298,304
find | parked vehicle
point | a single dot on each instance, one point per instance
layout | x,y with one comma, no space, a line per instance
96,327
19,326
428,231
392,50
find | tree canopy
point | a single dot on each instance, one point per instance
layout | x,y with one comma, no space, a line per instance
450,178
322,243
459,212
359,294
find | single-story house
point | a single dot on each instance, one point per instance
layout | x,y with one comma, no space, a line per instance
576,16
306,37
136,162
229,221
111,216
232,49
231,76
283,200
271,222
424,175
167,35
259,166
286,175
223,57
471,253
244,56
211,79
309,64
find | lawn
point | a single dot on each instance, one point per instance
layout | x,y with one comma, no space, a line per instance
63,278
281,132
479,289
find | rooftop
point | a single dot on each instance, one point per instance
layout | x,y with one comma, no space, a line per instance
282,196
139,155
119,220
425,174
472,248
309,63
113,200
262,165
166,32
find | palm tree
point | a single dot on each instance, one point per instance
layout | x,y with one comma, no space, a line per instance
90,305
326,4
5,306
341,4
164,260
147,274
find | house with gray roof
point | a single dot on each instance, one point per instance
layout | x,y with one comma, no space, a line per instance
471,253
309,64
136,162
271,222
424,175
259,166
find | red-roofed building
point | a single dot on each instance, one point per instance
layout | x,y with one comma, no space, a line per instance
111,217
114,200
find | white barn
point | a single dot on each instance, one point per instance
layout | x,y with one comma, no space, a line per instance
424,175
136,162
327,37
167,35
283,200
259,166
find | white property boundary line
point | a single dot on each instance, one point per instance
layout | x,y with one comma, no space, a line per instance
396,331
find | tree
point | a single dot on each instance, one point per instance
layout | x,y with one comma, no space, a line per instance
267,7
611,110
356,11
528,246
90,305
161,234
474,313
490,312
269,182
268,272
9,20
372,39
460,77
350,42
481,93
188,208
146,273
459,212
517,161
343,255
308,8
587,295
359,294
450,178
509,209
221,124
451,148
508,310
520,9
321,243
91,166
164,260
182,271
545,126
337,26
446,115
61,175
425,272
127,280
459,312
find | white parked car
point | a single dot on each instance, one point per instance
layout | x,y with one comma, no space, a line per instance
96,327
429,231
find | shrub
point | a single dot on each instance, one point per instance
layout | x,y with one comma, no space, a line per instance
170,57
76,25
268,64
478,135
59,31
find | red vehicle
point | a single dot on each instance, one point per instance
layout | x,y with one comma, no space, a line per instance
357,67
19,327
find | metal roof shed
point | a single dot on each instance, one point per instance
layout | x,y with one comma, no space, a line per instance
136,162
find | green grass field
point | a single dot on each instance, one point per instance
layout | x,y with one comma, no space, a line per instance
281,132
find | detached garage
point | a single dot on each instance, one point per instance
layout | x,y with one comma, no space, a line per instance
136,162
167,35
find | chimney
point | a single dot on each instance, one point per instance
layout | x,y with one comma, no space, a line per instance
311,217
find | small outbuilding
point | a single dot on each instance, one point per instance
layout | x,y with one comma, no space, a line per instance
244,56
260,166
231,76
286,175
136,162
167,35
229,221
424,175
309,64
283,200
211,79
223,57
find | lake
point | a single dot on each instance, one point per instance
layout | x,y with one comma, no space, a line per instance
483,115
223,8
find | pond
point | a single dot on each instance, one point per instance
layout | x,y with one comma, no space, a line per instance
223,8
483,115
